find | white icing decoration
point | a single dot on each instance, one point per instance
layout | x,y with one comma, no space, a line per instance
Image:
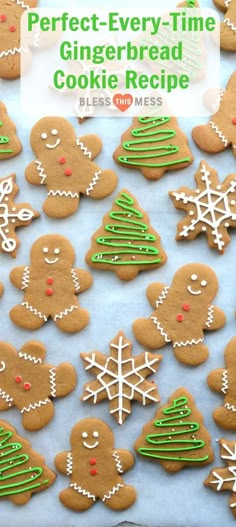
227,2
203,283
64,313
112,492
114,373
50,146
82,491
21,3
95,434
40,169
44,135
230,407
187,343
90,446
69,464
51,262
194,277
190,290
75,280
31,358
34,406
45,250
230,24
219,133
3,365
210,317
162,296
54,131
84,149
93,182
56,251
160,328
225,383
34,310
84,435
52,380
63,193
25,278
7,398
13,51
212,207
118,462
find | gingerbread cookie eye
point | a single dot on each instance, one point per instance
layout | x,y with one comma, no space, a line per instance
2,366
194,277
84,435
45,250
95,434
44,135
203,283
54,131
56,251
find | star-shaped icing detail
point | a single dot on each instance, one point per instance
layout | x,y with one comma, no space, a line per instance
211,208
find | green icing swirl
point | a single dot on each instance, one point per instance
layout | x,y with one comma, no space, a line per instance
4,140
9,461
151,134
169,442
127,230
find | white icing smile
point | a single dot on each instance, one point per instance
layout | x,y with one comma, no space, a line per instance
51,261
48,145
90,446
193,292
2,365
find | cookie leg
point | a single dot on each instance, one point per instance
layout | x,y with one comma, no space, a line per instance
72,320
225,417
75,500
149,332
191,354
120,497
27,317
37,415
61,205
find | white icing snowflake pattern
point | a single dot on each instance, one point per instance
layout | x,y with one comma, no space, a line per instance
211,208
225,478
121,377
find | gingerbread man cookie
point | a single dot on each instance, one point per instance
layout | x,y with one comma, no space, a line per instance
181,313
95,468
50,284
65,165
10,145
228,26
23,471
220,132
223,380
28,384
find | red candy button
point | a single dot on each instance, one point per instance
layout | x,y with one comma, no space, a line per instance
93,472
3,18
68,172
27,386
18,378
186,307
180,317
93,461
12,29
50,280
62,160
49,292
234,120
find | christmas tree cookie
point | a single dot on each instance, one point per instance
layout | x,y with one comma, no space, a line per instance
23,471
177,437
224,478
10,145
126,243
154,145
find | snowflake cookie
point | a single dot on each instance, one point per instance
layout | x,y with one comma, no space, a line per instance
224,478
210,209
95,468
181,313
177,437
228,26
30,385
220,132
121,377
12,215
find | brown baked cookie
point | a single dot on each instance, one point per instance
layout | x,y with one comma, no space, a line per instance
220,132
13,215
154,145
224,478
23,471
177,437
65,165
50,284
121,377
10,145
223,380
95,468
1,289
181,313
28,384
210,209
228,26
126,243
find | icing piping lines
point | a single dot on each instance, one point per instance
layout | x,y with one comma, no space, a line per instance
33,310
80,490
69,464
25,278
84,148
225,384
162,296
187,343
93,182
40,169
52,380
31,358
6,396
160,329
230,407
75,280
210,317
118,462
63,193
64,313
112,492
34,406
218,132
230,24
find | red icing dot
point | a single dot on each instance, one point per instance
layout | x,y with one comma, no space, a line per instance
12,29
3,18
180,317
49,291
68,172
50,280
186,307
234,120
62,160
18,378
27,386
93,472
93,461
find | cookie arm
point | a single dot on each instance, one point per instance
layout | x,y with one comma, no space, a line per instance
216,380
35,173
156,293
82,280
126,459
215,320
16,276
62,462
90,145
